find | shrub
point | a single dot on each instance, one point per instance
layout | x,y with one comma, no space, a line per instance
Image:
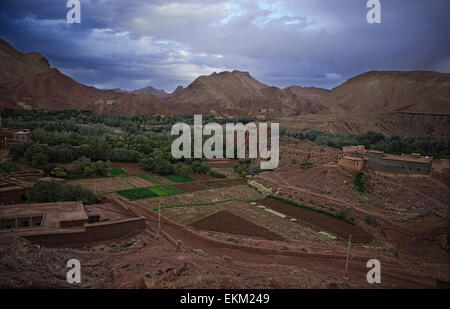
200,167
370,220
217,174
39,159
55,191
360,182
85,168
9,167
58,172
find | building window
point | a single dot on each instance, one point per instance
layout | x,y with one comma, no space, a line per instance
8,223
23,222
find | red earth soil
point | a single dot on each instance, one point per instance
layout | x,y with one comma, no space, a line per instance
227,222
213,184
197,176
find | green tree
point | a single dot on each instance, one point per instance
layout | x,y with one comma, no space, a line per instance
39,160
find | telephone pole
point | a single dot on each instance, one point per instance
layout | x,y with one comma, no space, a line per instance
159,217
348,256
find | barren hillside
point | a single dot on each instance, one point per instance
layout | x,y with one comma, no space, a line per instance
236,93
407,92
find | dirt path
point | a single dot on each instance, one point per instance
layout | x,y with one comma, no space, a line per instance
325,264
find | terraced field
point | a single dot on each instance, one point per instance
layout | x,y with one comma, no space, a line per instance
179,178
117,171
251,212
227,222
139,182
155,179
144,193
319,221
238,192
103,185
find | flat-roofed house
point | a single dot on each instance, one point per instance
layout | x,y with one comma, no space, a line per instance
400,164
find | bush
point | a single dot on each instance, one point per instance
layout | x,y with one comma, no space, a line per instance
360,182
39,159
85,168
200,167
43,192
158,165
370,220
217,174
125,155
59,172
9,167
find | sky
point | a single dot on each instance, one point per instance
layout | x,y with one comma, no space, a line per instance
135,43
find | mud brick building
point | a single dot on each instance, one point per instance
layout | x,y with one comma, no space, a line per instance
353,163
69,223
22,136
6,138
354,158
11,192
403,164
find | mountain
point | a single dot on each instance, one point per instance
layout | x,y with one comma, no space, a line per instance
16,65
389,91
393,103
308,98
150,90
28,82
178,89
235,93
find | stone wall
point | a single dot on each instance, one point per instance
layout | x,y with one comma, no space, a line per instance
92,232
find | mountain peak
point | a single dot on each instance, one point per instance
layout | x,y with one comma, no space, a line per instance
151,90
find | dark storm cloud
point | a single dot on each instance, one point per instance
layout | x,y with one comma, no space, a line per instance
130,44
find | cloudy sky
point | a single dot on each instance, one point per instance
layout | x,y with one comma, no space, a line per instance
131,44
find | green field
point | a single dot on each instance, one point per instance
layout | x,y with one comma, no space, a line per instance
143,193
117,171
137,194
151,178
166,190
179,178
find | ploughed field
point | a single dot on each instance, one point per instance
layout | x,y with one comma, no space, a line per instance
227,222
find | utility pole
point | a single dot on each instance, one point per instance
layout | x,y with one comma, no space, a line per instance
159,218
95,184
348,256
